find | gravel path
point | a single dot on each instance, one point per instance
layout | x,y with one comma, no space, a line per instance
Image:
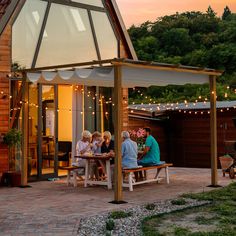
129,226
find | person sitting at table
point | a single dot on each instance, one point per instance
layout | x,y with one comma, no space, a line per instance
151,154
129,151
108,147
83,146
108,144
96,148
97,142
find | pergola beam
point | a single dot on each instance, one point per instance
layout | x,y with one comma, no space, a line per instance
25,138
118,110
213,131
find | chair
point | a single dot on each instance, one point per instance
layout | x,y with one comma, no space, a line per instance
48,151
64,151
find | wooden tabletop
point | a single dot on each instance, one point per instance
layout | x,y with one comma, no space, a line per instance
104,156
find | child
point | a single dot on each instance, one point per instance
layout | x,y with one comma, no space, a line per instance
96,142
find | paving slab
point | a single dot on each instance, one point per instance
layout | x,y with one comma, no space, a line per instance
52,208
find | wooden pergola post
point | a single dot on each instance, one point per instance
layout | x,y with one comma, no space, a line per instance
118,111
213,129
25,124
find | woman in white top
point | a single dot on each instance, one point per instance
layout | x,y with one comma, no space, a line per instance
82,147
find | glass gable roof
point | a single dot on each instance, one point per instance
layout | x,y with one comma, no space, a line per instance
47,34
25,32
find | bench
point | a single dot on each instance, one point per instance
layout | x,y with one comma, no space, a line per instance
158,168
71,178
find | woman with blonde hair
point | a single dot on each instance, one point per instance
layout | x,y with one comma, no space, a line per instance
108,144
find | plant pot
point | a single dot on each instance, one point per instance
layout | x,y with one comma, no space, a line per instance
15,179
11,178
225,162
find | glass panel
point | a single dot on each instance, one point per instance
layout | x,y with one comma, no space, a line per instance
25,32
89,108
48,129
67,37
107,41
15,153
106,98
33,130
64,126
97,3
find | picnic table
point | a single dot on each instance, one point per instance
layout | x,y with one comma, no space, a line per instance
103,158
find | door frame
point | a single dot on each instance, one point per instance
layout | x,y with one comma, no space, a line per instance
40,175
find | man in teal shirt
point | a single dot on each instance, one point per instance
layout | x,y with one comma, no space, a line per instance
151,155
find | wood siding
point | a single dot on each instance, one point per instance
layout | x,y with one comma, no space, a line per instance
5,67
190,137
185,138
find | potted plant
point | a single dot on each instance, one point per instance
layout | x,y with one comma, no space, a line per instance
13,139
225,161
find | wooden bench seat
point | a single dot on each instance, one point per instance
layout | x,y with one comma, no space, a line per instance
71,174
158,168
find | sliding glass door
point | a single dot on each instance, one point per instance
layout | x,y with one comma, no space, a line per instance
47,132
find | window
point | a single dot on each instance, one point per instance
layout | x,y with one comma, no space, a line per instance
25,32
67,37
106,38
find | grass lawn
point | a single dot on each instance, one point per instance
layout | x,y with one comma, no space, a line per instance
215,219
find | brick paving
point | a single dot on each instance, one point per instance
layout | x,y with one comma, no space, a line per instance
52,208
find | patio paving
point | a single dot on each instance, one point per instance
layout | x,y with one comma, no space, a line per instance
52,208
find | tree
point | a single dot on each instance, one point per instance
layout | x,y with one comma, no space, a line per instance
210,12
177,42
226,13
190,38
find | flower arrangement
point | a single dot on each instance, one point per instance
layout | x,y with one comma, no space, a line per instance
138,136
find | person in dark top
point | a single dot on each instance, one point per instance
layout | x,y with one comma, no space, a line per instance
108,145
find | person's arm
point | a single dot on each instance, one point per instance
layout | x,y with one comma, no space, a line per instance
83,150
99,144
146,150
148,144
122,149
112,148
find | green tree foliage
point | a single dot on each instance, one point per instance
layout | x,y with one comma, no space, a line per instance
226,13
190,38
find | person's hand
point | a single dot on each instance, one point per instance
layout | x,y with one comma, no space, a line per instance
112,153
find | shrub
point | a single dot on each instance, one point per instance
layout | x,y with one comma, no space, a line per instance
180,201
150,206
120,214
110,225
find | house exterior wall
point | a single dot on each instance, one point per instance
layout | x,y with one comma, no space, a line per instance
190,137
5,68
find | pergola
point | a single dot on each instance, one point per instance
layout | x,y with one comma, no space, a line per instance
124,73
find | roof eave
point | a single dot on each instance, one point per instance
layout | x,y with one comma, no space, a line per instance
124,30
8,14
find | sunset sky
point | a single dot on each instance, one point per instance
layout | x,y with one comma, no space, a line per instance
139,11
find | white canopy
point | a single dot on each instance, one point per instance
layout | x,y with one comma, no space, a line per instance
131,77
